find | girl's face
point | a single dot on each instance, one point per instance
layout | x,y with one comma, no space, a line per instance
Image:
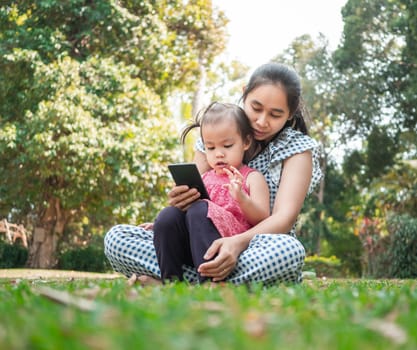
267,109
224,145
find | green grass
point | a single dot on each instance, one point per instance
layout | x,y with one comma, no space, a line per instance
318,314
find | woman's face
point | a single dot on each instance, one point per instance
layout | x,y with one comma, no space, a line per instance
267,109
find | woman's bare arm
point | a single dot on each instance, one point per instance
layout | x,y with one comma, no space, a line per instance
293,188
201,160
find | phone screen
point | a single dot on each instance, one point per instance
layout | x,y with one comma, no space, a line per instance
188,174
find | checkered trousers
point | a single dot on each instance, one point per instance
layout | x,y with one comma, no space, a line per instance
270,258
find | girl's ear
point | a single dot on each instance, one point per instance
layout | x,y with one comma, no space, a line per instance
243,88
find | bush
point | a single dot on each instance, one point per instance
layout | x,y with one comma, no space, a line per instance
323,267
348,248
393,255
88,258
402,249
12,255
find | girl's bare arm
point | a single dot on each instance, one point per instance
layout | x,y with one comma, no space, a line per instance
255,206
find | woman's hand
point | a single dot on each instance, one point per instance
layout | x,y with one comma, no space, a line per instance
147,225
182,197
226,251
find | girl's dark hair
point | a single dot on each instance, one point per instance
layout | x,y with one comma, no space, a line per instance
284,76
215,112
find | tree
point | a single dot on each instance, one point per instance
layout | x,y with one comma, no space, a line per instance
84,126
362,99
404,85
378,56
378,59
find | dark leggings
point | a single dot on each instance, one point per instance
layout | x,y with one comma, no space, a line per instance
182,238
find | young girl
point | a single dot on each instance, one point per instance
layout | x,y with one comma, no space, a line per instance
239,195
268,252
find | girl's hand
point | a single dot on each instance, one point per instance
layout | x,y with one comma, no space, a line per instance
236,181
226,251
182,197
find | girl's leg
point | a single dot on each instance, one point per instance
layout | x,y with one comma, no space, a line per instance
172,245
202,232
130,250
270,259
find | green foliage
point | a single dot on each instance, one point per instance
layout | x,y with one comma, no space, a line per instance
327,229
320,314
311,226
373,162
377,162
396,191
403,247
340,192
12,255
165,39
356,94
343,243
90,258
323,267
81,248
391,254
404,85
377,58
83,91
91,143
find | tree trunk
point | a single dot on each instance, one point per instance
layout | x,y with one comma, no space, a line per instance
42,252
197,101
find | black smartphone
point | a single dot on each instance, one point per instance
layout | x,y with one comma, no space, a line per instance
187,174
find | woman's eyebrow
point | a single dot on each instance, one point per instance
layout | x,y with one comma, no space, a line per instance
278,110
258,104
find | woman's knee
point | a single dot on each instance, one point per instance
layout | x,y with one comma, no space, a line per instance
111,235
281,250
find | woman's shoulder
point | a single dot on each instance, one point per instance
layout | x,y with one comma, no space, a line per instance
199,145
292,141
287,144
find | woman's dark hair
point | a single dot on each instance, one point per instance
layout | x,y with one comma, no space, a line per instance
285,77
217,111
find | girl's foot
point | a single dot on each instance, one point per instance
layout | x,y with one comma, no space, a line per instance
132,279
143,280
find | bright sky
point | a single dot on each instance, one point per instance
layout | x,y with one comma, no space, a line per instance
261,29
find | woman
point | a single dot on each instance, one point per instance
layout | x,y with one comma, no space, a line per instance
287,157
